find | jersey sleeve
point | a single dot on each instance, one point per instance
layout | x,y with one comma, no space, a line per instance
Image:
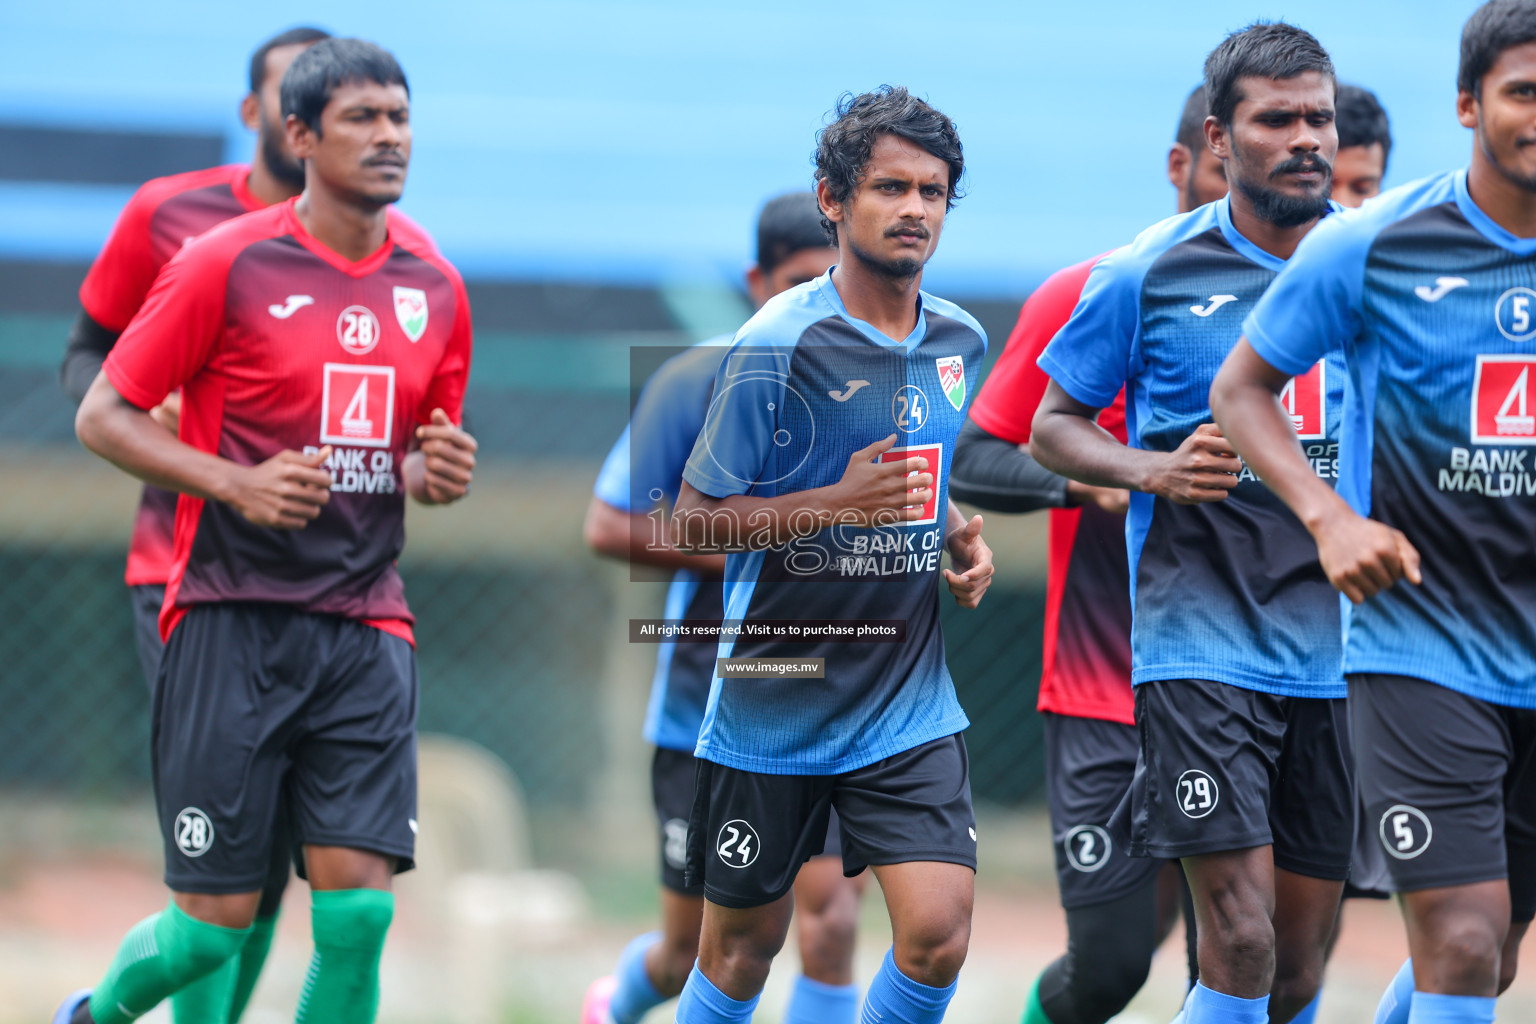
1090,356
124,270
661,433
1006,404
446,392
1313,305
175,332
738,433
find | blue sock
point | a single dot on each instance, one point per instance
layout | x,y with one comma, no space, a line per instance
1433,1008
894,998
1397,1000
1207,1006
702,1003
635,995
1308,1013
815,1002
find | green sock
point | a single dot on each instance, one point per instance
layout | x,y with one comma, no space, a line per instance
206,1000
342,986
248,965
159,956
1034,1013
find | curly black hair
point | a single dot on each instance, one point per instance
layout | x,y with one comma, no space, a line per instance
843,147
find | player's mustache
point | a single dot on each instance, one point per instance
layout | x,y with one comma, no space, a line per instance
1302,163
907,229
390,159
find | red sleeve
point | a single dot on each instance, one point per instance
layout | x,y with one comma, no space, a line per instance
175,332
115,287
1007,401
446,391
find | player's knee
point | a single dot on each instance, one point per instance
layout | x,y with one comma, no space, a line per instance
1466,952
933,954
675,961
827,937
1293,989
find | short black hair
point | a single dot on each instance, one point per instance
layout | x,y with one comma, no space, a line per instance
292,37
314,75
1265,49
1493,28
843,147
1362,120
1191,131
787,225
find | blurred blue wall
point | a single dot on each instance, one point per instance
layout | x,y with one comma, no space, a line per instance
633,142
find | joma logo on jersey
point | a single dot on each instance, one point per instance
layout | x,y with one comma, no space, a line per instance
357,405
1503,409
1305,401
934,453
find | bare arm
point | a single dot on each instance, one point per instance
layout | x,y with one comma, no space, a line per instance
1066,439
1361,557
870,493
286,491
641,539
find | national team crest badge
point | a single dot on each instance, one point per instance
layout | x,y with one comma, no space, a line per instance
952,379
411,311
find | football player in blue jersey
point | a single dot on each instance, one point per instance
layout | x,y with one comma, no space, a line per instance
1244,770
647,461
835,531
1428,290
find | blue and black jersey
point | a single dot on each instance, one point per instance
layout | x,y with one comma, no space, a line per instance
645,467
1229,591
1435,307
804,386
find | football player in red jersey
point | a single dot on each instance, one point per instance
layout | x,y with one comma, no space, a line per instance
157,221
1119,908
322,348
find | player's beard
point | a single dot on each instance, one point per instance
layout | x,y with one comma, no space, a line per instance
1283,209
902,268
279,161
1514,177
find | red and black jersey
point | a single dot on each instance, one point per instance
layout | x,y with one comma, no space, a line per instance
160,218
277,342
1086,670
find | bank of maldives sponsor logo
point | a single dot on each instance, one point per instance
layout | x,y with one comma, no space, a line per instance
357,405
411,311
1502,410
1305,401
934,453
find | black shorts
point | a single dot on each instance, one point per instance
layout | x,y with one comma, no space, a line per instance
1089,764
750,832
673,773
262,704
146,599
1226,768
1447,786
